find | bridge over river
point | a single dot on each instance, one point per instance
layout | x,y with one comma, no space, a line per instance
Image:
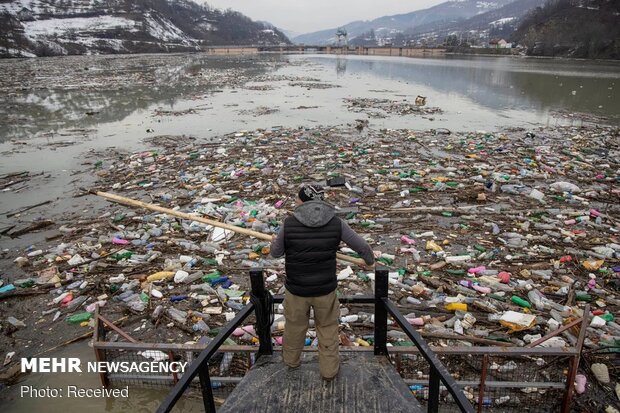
302,49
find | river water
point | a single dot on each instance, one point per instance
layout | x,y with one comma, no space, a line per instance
57,113
55,110
117,95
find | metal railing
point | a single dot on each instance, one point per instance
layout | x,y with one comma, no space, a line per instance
261,303
438,372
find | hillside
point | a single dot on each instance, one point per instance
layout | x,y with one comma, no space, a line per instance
392,26
572,28
477,30
66,27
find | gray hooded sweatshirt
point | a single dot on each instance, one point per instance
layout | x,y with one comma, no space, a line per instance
316,214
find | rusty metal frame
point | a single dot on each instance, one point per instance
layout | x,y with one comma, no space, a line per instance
574,364
556,332
483,379
100,354
456,350
114,327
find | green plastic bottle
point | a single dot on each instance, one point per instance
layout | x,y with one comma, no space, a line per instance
210,261
480,248
122,256
385,260
27,284
456,272
583,297
211,276
520,302
78,318
497,297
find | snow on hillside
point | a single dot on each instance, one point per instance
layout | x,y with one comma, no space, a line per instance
62,27
69,27
161,28
501,22
486,5
42,6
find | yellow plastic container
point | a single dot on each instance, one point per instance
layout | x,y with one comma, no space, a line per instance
162,275
362,343
432,246
456,306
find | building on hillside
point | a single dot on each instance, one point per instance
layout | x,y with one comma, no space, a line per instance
499,44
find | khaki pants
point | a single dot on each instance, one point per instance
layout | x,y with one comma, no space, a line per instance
297,314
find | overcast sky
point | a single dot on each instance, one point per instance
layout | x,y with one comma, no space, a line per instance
304,16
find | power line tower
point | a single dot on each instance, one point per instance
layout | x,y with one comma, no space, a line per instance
343,37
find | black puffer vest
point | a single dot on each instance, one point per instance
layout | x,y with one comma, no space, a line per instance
311,257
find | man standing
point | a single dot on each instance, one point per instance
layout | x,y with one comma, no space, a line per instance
309,239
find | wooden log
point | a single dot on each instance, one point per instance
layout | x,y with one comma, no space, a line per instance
28,208
139,204
34,227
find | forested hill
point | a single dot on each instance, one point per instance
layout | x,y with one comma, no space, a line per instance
60,27
572,28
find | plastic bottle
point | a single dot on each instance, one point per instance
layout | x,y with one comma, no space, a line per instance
457,258
190,264
78,318
485,306
180,276
76,303
201,326
177,315
536,298
607,317
234,305
60,298
193,277
476,270
407,240
481,289
350,318
413,300
520,301
93,306
161,275
137,305
418,321
65,301
362,343
157,312
15,322
456,306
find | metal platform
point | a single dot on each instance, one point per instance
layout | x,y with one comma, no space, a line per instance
366,383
